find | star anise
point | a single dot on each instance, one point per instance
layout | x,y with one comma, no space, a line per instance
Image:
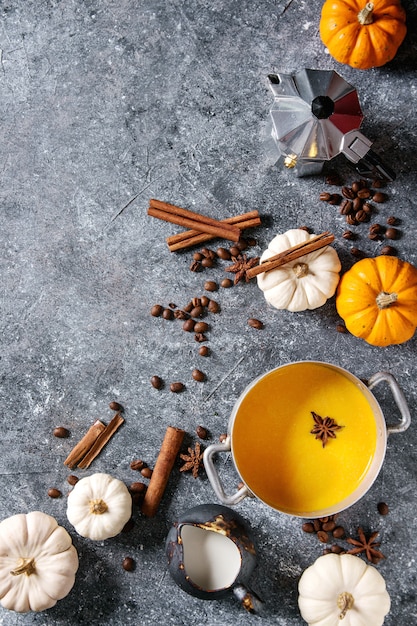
193,460
324,428
366,545
241,264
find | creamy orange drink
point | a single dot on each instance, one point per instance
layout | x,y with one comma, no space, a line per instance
304,437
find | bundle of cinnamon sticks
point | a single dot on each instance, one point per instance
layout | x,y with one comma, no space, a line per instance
200,227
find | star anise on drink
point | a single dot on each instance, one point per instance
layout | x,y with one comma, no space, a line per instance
241,264
324,428
367,545
193,460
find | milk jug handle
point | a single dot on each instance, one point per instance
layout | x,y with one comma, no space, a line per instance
399,398
248,599
214,477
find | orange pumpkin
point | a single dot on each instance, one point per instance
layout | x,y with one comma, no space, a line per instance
377,299
362,35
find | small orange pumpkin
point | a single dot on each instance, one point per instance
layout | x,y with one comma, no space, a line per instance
363,35
377,299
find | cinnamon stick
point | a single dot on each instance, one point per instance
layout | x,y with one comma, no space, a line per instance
164,463
192,220
84,445
293,253
103,438
190,238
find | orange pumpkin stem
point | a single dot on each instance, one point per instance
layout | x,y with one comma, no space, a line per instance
384,299
365,16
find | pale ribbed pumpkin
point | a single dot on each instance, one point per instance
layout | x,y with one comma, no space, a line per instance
377,299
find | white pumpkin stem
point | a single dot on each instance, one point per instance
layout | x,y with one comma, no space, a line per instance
384,299
345,602
25,566
98,507
300,269
365,16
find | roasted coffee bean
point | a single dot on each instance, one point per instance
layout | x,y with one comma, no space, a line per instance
368,208
204,300
325,196
317,525
177,387
234,251
335,199
356,252
198,375
361,216
223,253
197,256
196,266
346,207
341,328
179,314
308,527
61,432
116,406
201,327
356,186
383,508
203,351
226,283
322,536
378,183
357,204
329,526
137,465
351,220
137,487
347,192
207,262
338,532
72,479
197,311
200,337
54,493
376,228
364,194
188,307
348,235
157,382
337,549
128,564
146,471
254,323
388,250
251,241
242,244
167,314
213,306
392,221
157,310
375,236
332,178
189,325
210,285
379,197
208,253
201,432
392,233
305,228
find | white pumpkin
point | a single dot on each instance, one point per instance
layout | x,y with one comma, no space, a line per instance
99,506
342,590
305,283
38,562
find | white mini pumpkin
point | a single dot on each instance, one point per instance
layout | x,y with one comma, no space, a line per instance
38,562
305,283
99,506
342,590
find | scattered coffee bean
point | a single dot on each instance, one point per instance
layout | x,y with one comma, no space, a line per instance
203,351
181,315
72,479
200,337
157,382
368,208
308,527
356,253
128,564
172,305
392,233
204,300
351,220
341,328
196,266
210,285
207,262
197,311
137,465
54,493
357,204
226,283
209,254
188,307
329,526
137,487
189,325
364,194
157,310
223,253
234,251
242,244
325,196
333,178
201,432
146,472
347,192
317,525
254,323
322,536
388,250
379,197
335,199
197,256
375,236
213,307
383,508
348,234
201,327
61,432
167,314
376,228
177,387
361,216
251,241
338,532
116,406
346,207
392,221
198,375
378,183
337,549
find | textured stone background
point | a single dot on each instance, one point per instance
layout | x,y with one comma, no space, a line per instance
105,104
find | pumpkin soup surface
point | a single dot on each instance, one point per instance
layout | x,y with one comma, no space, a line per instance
276,454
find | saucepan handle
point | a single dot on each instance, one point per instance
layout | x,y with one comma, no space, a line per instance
399,398
214,477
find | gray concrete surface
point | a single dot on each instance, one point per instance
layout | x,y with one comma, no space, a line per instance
105,104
